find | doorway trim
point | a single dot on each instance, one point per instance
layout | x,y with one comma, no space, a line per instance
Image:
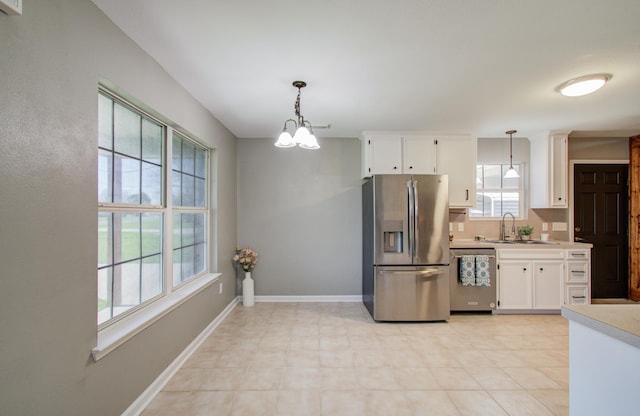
572,164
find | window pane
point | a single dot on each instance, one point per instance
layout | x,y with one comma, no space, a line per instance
177,266
177,230
151,142
105,178
151,234
188,232
188,157
199,258
201,194
492,176
126,131
200,228
491,198
104,294
511,203
126,180
105,122
201,163
151,184
177,153
483,205
151,277
176,188
126,286
188,191
187,263
104,239
511,183
126,238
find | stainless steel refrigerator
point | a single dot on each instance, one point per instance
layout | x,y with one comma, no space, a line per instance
405,262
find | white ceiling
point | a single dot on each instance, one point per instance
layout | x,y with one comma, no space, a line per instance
479,66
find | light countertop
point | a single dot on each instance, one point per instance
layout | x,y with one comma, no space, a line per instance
485,244
621,322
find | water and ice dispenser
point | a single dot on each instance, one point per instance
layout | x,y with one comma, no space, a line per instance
393,237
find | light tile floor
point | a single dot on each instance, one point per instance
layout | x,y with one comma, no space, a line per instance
332,359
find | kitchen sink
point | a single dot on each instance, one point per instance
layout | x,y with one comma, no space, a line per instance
519,242
500,241
536,242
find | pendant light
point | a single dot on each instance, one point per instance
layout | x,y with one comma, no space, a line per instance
303,136
511,172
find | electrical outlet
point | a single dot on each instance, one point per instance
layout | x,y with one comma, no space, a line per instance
450,227
220,288
545,226
460,226
558,226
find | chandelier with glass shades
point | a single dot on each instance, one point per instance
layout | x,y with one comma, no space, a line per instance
303,136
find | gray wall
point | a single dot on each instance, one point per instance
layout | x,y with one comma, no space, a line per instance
52,58
493,150
590,148
301,210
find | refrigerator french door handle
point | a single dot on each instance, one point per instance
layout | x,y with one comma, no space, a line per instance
410,213
418,273
416,237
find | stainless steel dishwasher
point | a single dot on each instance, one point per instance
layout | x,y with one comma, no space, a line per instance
473,297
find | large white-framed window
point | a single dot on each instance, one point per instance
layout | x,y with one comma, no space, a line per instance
497,195
153,209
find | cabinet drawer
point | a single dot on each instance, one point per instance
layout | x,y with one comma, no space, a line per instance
577,295
579,254
577,272
526,254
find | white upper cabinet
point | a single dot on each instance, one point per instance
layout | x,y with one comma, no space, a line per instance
456,156
385,153
419,154
549,170
425,153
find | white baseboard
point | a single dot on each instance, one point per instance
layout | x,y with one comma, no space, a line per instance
346,298
147,396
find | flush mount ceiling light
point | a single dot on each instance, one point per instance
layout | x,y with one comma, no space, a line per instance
303,136
511,172
583,85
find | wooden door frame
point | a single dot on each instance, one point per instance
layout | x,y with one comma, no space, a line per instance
634,219
571,209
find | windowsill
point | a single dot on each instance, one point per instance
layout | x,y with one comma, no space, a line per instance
120,332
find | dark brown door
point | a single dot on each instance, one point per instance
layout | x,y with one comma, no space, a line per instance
601,214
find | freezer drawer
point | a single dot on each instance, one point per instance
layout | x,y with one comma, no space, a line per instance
411,293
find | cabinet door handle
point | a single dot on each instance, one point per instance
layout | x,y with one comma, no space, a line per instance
579,297
395,167
524,269
467,195
541,269
410,167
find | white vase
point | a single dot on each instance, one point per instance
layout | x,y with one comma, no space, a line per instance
247,290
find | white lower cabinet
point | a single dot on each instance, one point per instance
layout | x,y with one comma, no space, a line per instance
515,285
530,279
547,284
577,295
578,279
543,278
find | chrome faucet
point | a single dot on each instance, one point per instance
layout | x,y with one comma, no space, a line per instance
513,226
